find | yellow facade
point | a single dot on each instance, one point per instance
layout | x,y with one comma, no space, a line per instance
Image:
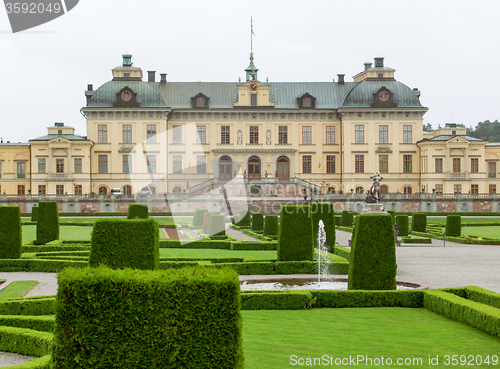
14,168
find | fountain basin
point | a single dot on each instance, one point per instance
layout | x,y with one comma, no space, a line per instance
306,282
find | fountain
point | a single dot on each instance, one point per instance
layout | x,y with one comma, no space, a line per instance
322,251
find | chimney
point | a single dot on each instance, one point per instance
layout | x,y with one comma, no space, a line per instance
90,87
379,62
163,78
341,78
151,75
368,66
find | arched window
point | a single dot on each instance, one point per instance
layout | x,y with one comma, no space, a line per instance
177,189
360,190
127,190
332,190
200,101
307,102
407,189
103,190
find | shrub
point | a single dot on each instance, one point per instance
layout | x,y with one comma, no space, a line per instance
393,215
351,299
346,218
276,300
324,212
11,232
25,341
198,217
271,225
197,244
453,225
295,236
257,222
419,222
403,225
337,220
254,245
121,243
137,211
47,224
34,213
217,225
186,318
244,219
373,254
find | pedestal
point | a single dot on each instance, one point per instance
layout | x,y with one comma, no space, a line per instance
376,208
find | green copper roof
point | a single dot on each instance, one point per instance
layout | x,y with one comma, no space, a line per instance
442,138
65,136
147,94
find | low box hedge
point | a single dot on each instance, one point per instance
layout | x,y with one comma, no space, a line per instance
342,252
11,232
39,265
364,298
37,323
197,244
276,300
188,318
36,305
416,240
254,245
25,341
124,243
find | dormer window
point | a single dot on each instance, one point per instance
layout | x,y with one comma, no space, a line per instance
383,98
126,74
199,101
307,101
126,97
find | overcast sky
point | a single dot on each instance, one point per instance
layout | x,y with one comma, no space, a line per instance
448,49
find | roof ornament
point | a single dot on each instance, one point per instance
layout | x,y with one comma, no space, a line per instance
251,69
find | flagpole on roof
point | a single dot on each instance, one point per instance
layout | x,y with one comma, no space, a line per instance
251,34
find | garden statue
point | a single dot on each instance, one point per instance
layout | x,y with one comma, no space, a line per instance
374,192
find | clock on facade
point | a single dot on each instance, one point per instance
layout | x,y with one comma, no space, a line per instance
254,87
126,95
383,96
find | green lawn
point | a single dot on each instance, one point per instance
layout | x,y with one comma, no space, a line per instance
17,289
491,232
470,220
216,253
65,233
271,337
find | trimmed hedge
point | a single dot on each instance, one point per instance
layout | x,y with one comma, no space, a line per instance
243,219
351,299
419,222
37,323
254,245
217,225
257,222
477,315
188,318
137,211
453,225
271,225
393,215
121,243
373,254
416,240
34,213
36,305
25,341
47,224
198,244
198,217
295,237
403,225
276,300
11,232
342,252
324,212
39,265
346,218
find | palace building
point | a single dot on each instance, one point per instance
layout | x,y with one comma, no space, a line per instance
326,137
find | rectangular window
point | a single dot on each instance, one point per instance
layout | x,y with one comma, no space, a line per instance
383,134
457,188
102,163
474,165
330,135
306,135
306,164
359,132
41,165
78,165
253,99
383,163
78,189
407,163
201,138
59,189
474,188
201,164
21,170
151,133
492,188
456,165
127,133
42,190
224,135
492,169
21,190
407,134
438,165
177,135
102,133
283,134
330,163
177,164
439,188
152,163
254,134
59,165
359,163
127,163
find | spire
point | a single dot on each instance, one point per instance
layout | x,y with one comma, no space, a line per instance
251,70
